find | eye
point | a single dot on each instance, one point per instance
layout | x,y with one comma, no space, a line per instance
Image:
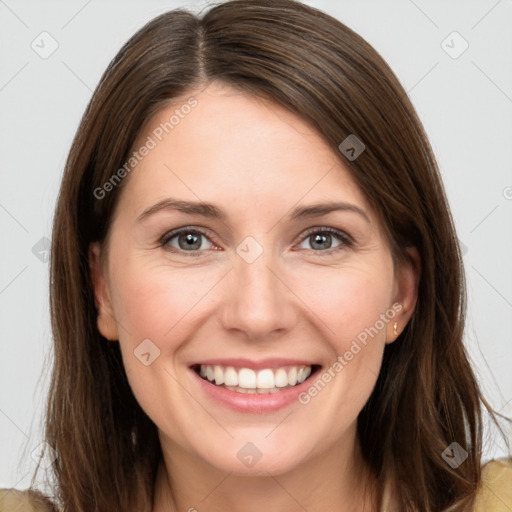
186,239
322,239
194,241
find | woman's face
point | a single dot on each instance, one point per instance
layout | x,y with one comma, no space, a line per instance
265,281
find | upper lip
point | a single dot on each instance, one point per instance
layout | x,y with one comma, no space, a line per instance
241,362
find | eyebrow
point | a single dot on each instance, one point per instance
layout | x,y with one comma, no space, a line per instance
211,211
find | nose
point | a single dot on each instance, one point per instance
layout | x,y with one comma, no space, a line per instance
259,302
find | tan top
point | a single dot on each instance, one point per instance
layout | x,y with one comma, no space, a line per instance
495,495
13,500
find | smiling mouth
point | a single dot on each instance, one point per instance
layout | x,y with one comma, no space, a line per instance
247,380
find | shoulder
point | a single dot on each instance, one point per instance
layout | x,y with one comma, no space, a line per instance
14,500
496,492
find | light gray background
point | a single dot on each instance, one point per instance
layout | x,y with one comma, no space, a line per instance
464,103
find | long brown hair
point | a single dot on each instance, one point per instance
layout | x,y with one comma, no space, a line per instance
426,396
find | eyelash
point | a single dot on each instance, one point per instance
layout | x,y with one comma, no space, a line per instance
346,240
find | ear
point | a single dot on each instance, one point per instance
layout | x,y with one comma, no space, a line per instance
405,294
106,320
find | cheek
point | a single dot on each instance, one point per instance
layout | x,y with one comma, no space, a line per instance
153,300
155,306
160,304
348,301
349,305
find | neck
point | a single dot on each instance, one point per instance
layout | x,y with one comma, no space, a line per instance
336,480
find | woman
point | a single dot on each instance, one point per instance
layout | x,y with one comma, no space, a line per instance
257,294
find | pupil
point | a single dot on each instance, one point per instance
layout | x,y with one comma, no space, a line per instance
191,241
321,238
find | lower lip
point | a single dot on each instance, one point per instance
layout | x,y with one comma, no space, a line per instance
254,402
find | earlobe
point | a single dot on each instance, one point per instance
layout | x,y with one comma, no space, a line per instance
106,320
406,295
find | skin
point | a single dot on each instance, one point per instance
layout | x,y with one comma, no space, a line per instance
256,162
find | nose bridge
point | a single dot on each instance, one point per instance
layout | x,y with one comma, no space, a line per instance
258,303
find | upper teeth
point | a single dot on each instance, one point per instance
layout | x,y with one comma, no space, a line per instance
250,379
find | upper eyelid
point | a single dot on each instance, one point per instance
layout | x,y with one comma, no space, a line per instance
343,235
175,232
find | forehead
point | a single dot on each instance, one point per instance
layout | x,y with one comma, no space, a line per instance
225,146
